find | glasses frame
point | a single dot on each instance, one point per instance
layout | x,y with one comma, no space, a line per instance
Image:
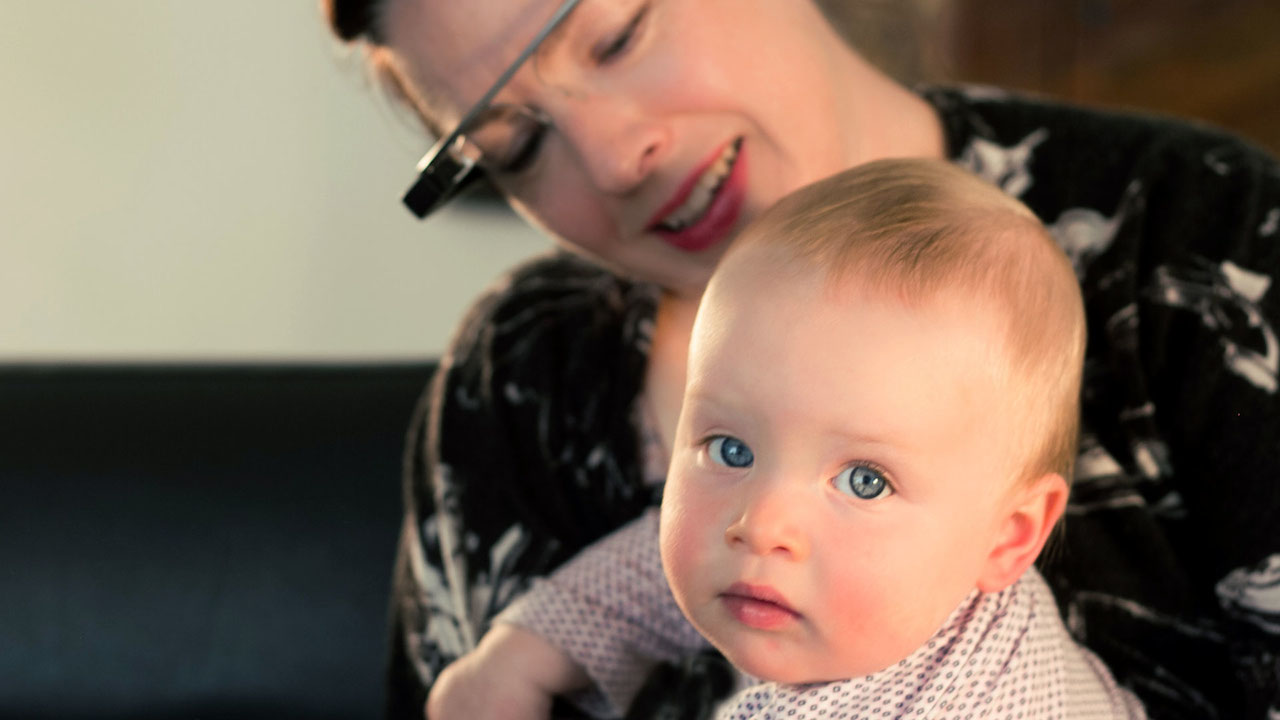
441,175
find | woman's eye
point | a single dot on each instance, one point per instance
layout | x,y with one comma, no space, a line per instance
511,142
523,150
863,482
614,46
730,452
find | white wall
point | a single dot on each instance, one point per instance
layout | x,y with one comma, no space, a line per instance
216,180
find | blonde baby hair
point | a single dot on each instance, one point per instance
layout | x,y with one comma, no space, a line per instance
917,229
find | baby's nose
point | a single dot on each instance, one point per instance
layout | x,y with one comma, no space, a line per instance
771,522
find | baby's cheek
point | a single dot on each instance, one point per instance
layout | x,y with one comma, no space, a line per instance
683,543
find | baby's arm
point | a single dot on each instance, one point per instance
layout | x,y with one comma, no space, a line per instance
603,619
611,610
512,674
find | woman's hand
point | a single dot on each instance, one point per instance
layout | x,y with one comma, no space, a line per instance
511,675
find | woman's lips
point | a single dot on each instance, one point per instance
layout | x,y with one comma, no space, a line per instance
722,212
759,607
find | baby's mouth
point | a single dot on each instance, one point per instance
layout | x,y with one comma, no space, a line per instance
758,607
704,190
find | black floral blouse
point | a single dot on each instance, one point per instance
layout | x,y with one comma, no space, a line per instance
526,447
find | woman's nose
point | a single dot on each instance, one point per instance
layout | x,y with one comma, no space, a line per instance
618,140
771,521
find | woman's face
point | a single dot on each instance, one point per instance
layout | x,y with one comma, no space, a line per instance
671,122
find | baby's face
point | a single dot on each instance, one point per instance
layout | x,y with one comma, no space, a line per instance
838,476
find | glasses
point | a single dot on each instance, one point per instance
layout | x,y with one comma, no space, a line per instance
450,164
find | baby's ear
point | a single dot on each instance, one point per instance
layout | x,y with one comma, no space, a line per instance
1031,515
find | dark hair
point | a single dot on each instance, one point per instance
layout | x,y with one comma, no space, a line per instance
353,20
360,21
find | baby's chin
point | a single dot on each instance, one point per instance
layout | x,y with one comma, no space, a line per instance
802,668
783,668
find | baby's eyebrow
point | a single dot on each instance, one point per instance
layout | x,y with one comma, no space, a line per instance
867,438
700,398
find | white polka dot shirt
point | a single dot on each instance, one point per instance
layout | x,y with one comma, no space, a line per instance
999,655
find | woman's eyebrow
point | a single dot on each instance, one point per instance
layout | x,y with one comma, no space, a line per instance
489,115
547,33
553,44
557,37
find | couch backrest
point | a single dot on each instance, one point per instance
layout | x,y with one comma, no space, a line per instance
198,541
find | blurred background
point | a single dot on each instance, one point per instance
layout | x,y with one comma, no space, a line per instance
216,181
220,180
1214,60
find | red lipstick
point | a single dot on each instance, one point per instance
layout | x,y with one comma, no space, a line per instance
722,213
758,606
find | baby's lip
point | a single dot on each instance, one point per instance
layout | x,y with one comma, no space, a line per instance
762,597
758,607
758,592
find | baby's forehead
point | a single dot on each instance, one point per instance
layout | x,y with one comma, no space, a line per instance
819,300
854,379
778,274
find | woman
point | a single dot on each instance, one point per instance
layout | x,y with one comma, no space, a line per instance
643,134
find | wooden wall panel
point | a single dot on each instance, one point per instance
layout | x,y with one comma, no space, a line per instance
1216,60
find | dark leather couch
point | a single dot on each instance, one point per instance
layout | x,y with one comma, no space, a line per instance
185,541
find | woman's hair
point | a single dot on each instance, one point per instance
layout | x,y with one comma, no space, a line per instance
360,23
922,230
353,20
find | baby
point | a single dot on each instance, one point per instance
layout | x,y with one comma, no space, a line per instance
880,416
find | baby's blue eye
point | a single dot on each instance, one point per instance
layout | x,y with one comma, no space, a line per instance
863,482
730,452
